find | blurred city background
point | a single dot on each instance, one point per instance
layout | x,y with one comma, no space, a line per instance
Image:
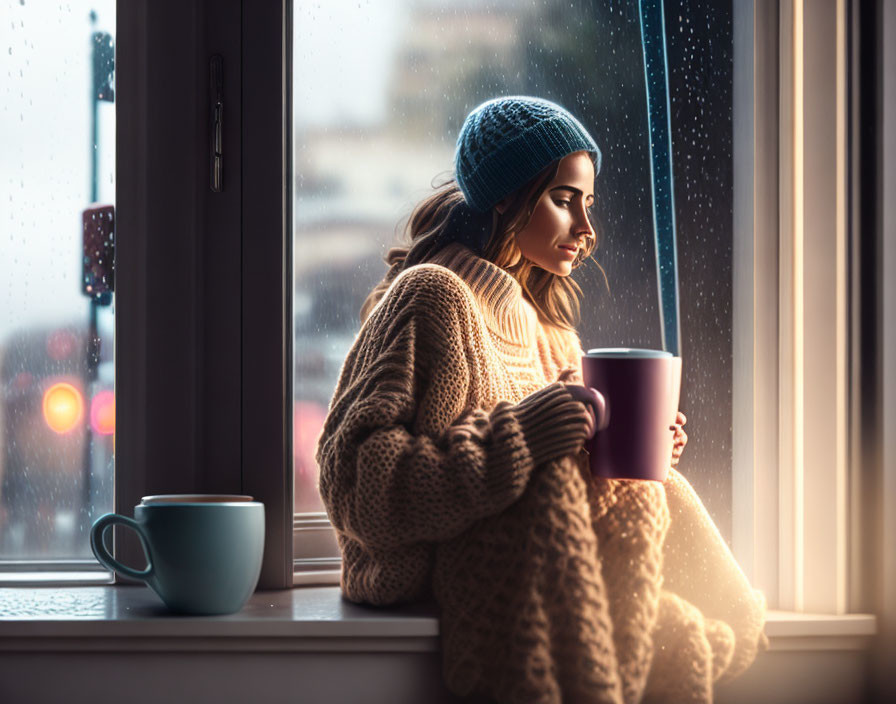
57,189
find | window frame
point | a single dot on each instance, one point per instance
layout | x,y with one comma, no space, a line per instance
203,348
227,290
781,68
769,449
787,558
176,339
754,335
800,133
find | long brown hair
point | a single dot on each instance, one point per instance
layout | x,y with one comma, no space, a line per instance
555,298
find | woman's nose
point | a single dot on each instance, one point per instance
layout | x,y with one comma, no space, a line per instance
583,222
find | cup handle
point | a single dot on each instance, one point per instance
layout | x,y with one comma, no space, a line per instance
603,411
98,530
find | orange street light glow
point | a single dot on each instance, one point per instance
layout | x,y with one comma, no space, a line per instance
102,413
63,407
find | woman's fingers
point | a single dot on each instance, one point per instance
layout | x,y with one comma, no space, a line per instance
680,438
680,420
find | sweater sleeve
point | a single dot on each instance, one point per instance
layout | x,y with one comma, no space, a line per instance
403,456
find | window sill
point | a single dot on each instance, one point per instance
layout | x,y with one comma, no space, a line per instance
133,618
97,639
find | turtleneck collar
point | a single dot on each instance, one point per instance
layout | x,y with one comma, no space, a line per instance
500,295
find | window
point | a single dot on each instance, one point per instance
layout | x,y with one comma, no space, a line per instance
212,324
804,345
765,152
57,405
379,95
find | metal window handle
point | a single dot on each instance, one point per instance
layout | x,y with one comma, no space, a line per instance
217,99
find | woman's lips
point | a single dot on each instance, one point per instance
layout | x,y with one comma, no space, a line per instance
570,249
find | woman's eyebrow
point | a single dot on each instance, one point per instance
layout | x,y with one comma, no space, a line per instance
574,190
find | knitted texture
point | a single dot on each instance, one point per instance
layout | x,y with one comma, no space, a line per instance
452,467
504,142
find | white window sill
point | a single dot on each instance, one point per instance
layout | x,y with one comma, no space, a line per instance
133,618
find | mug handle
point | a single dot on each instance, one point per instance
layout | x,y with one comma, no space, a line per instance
603,411
98,530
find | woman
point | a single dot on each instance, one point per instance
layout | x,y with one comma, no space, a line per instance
452,461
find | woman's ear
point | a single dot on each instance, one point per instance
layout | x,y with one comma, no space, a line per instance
501,205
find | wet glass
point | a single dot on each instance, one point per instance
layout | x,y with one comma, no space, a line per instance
57,188
380,92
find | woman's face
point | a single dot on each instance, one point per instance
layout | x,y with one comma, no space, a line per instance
559,224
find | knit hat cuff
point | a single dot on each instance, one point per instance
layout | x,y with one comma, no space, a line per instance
506,169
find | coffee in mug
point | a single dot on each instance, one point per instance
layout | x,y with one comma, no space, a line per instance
203,551
640,389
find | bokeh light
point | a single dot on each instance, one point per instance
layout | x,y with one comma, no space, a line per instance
63,407
102,413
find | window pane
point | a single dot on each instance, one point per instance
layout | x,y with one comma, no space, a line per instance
380,92
57,409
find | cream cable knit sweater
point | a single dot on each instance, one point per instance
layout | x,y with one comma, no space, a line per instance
451,466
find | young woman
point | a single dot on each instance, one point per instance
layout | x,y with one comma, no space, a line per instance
452,462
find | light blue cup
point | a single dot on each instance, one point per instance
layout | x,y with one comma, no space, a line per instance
203,551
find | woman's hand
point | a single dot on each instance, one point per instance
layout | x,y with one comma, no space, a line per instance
681,438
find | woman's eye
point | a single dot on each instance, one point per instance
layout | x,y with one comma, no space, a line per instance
567,203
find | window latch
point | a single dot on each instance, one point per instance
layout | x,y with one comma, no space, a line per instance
217,111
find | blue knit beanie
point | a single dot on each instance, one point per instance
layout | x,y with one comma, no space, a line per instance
505,142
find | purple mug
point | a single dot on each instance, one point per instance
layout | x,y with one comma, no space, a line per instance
640,390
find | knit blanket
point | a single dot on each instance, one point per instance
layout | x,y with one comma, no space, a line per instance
567,596
452,467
